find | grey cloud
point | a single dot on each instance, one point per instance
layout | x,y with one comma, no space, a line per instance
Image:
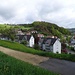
60,12
6,12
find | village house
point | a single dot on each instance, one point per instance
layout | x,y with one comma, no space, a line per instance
40,35
3,37
72,42
50,45
28,38
19,32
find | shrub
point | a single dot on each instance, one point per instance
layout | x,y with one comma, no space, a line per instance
24,42
36,46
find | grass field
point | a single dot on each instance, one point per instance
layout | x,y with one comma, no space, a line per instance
4,26
20,47
12,66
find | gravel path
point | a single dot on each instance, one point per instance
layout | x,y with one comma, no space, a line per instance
30,58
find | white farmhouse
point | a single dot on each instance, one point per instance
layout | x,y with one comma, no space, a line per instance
51,45
28,38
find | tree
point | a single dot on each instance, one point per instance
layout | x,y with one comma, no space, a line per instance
9,33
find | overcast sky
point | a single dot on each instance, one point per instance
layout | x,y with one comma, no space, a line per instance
60,12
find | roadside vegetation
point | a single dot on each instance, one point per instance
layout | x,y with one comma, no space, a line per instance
12,66
20,47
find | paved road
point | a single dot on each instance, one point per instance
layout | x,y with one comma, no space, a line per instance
61,66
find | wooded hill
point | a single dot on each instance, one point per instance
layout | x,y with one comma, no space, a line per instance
48,28
42,27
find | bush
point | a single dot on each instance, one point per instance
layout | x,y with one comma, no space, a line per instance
24,42
36,46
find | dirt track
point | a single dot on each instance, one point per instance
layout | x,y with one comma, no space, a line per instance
30,58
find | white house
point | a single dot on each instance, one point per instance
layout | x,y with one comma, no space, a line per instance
28,38
51,45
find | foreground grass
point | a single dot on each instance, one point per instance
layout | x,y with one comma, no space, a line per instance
12,66
20,47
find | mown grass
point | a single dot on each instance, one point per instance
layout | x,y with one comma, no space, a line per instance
20,47
12,66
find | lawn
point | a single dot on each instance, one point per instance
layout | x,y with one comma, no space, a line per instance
20,47
12,66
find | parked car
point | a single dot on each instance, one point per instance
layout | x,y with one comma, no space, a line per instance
64,51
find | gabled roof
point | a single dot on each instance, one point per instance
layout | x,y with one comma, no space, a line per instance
24,37
28,37
20,37
49,41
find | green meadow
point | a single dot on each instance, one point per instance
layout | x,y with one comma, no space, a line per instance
22,48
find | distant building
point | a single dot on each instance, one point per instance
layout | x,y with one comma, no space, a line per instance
28,33
51,37
28,38
20,33
50,44
34,31
40,35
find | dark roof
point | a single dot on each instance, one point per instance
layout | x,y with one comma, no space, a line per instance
28,37
24,37
50,41
3,36
20,37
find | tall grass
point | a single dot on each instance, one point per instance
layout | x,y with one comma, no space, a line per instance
12,66
20,47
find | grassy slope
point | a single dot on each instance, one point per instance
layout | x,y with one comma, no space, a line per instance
20,47
12,66
4,26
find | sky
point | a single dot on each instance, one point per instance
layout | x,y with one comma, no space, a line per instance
60,12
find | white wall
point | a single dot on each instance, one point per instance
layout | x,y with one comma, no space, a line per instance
73,41
31,41
43,46
57,47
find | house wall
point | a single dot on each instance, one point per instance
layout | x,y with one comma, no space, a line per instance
4,38
57,47
43,47
73,41
31,41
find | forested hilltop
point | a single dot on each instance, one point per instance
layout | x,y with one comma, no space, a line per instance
48,28
45,28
